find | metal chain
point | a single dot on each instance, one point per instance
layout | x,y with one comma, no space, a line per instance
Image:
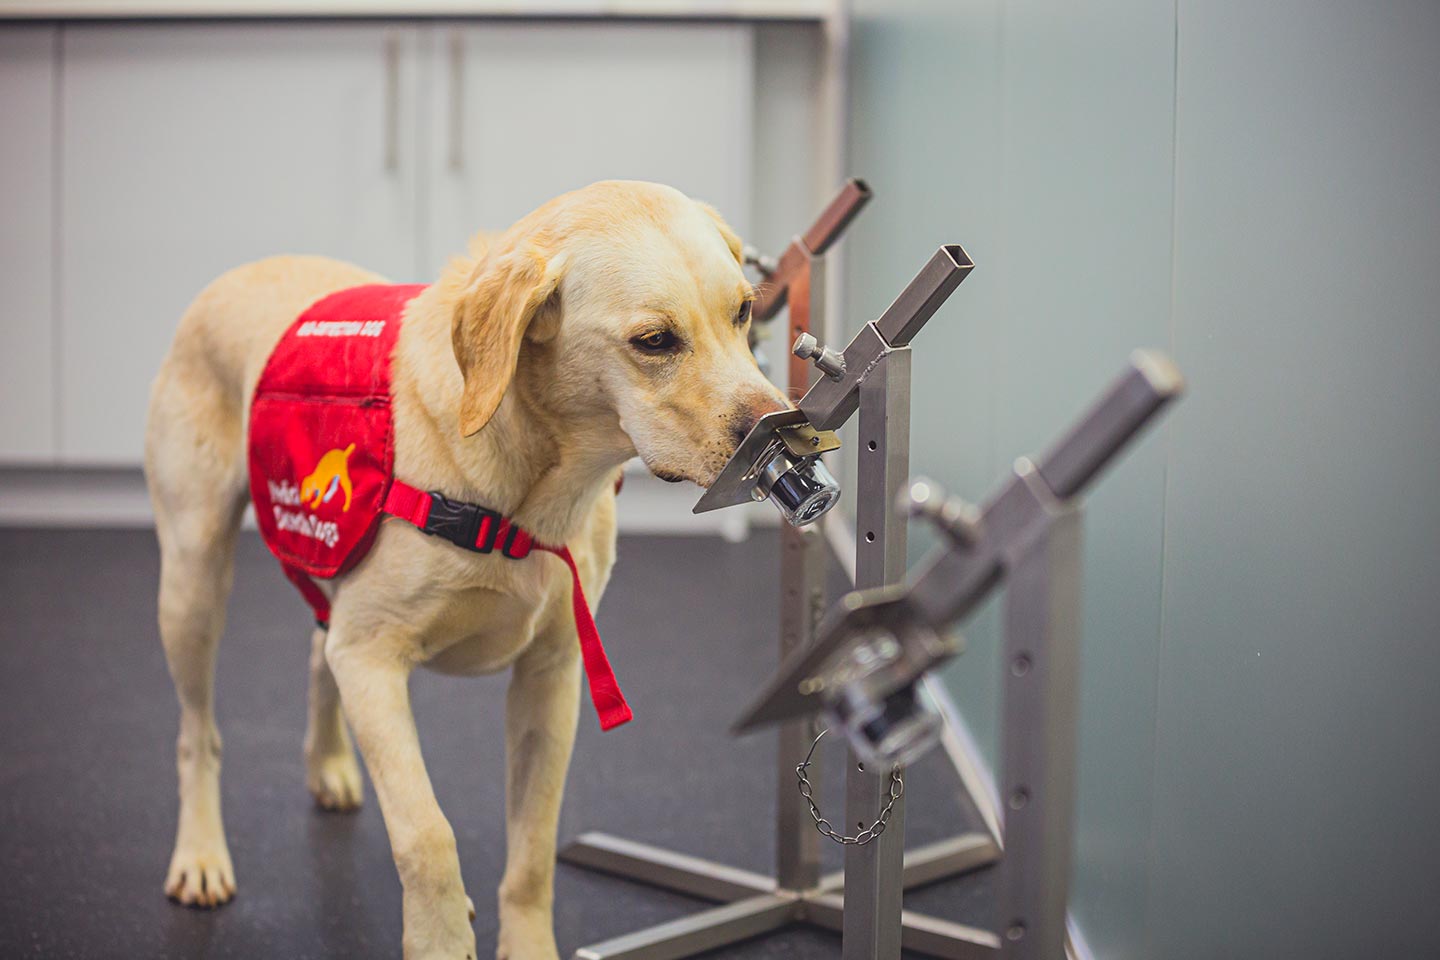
807,790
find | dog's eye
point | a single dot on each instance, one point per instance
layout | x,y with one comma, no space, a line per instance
657,342
744,313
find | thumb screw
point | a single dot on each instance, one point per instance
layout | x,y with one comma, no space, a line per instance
828,361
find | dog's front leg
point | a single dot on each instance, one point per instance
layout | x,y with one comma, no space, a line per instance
541,709
372,676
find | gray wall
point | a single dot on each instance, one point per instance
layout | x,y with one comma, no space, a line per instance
1254,186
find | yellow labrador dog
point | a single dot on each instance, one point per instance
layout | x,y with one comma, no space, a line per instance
611,321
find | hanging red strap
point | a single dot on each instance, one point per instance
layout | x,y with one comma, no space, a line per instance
313,595
604,689
483,530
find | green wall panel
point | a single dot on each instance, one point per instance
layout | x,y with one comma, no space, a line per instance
1050,160
1298,770
1255,186
1088,131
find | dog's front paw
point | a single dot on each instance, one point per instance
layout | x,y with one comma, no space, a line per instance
526,936
438,928
334,780
201,875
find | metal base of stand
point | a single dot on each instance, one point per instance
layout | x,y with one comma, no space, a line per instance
754,905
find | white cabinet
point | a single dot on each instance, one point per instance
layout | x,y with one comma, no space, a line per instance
525,111
191,148
27,244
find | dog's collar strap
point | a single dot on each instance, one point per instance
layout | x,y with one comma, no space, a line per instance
477,528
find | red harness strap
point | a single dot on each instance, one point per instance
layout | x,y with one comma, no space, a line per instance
477,528
321,455
312,593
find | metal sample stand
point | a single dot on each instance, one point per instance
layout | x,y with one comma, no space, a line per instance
873,375
1027,536
884,467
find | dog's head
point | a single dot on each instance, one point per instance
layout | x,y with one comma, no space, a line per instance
630,301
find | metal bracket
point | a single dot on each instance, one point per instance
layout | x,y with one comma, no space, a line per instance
783,430
803,440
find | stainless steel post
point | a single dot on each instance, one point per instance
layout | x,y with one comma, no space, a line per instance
873,871
1041,683
802,601
802,598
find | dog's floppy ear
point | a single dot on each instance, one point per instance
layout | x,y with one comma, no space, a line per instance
732,240
507,292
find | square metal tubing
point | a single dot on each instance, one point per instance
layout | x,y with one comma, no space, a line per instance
1039,712
873,931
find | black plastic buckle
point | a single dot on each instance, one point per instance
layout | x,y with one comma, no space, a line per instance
460,523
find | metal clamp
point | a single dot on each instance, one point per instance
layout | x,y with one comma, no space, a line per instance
779,459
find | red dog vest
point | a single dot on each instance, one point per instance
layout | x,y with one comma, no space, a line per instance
322,458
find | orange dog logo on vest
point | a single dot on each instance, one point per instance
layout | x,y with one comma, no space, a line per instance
330,476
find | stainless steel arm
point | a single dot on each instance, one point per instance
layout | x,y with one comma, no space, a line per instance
823,233
832,399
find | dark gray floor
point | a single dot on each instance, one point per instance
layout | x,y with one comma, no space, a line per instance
87,776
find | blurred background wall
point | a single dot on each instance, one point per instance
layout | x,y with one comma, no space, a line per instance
1252,186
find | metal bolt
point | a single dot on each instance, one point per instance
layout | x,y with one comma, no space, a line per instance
829,362
811,685
754,258
956,519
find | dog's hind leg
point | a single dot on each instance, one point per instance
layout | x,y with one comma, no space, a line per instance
331,770
195,467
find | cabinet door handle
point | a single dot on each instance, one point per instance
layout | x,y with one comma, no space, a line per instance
392,101
456,157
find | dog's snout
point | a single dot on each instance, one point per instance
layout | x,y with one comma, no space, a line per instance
750,411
